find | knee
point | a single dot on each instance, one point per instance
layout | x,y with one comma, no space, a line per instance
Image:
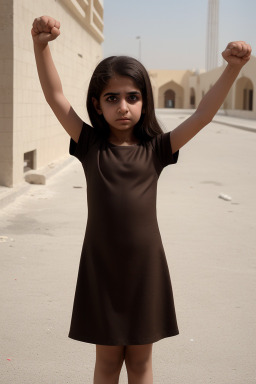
109,367
109,363
138,359
138,365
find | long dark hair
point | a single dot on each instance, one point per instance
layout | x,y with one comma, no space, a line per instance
147,127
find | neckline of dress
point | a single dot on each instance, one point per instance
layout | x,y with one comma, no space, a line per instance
123,146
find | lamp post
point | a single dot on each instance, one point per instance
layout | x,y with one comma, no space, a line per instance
139,38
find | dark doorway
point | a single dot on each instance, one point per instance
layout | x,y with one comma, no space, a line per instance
169,99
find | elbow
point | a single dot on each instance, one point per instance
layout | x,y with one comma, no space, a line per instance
203,119
51,98
208,120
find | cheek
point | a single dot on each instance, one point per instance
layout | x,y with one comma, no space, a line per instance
141,109
107,111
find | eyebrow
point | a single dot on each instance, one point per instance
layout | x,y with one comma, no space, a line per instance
118,93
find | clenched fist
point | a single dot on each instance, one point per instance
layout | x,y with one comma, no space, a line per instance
237,53
45,29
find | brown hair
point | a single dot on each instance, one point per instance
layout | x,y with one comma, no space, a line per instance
147,127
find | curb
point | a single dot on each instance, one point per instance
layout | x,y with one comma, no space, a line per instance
237,126
8,195
217,119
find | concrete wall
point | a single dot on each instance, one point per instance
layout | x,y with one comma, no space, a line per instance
29,124
6,92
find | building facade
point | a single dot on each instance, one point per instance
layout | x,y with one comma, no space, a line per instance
30,135
185,89
170,88
240,101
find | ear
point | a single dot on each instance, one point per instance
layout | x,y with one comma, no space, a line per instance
96,105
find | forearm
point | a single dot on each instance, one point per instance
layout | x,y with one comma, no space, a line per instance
47,72
215,97
206,110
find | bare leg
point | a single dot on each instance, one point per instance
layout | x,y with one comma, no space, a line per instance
109,361
138,361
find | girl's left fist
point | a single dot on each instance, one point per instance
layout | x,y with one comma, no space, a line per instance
237,53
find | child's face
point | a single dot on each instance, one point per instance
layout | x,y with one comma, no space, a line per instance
120,103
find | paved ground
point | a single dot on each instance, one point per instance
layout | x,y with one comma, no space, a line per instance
210,248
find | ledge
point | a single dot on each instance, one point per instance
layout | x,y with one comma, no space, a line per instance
90,15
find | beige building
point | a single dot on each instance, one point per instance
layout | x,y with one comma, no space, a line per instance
240,101
184,89
170,88
30,135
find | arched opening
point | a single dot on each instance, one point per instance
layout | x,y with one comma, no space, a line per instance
192,98
244,94
171,95
169,99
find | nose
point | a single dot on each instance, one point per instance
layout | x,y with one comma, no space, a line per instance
123,107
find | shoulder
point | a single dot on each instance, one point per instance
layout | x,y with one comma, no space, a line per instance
161,145
88,137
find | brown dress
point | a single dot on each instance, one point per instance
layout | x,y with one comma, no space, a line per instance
123,294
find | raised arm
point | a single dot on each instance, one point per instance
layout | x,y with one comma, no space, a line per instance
46,29
237,54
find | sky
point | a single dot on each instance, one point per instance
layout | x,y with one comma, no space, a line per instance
173,33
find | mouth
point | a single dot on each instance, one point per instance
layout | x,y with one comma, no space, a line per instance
123,119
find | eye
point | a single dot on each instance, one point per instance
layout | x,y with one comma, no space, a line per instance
133,98
111,99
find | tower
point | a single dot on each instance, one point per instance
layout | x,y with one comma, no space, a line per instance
212,43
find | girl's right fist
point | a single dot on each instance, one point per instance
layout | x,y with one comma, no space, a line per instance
45,29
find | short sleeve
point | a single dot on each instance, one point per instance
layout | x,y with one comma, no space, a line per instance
163,149
86,139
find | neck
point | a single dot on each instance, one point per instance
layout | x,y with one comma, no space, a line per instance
122,137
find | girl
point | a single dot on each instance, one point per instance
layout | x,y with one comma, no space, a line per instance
123,301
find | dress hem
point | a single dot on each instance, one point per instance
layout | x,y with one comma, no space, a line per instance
131,342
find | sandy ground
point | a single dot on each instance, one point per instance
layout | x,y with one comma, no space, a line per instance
210,248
